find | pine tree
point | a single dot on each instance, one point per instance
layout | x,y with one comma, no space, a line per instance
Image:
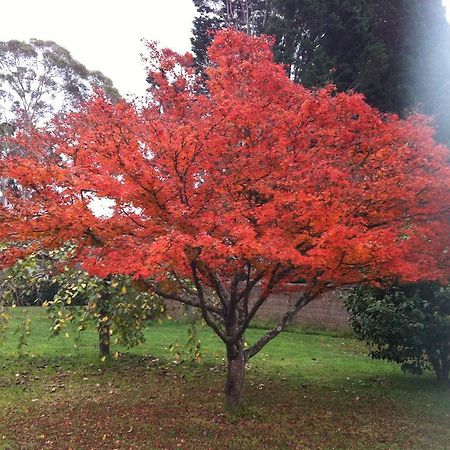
396,53
246,15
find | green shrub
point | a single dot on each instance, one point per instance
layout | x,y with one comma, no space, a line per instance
118,307
407,324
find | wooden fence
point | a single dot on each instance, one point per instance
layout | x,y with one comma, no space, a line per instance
327,311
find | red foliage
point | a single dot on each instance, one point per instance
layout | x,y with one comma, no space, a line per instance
253,173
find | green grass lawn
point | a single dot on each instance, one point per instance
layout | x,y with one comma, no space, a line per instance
303,391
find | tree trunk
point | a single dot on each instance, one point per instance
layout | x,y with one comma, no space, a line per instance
103,340
235,376
441,367
103,336
442,374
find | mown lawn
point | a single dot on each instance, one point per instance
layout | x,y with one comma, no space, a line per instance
304,391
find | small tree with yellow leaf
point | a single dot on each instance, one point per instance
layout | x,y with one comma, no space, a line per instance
116,306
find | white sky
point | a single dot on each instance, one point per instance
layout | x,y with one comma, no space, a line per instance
105,35
446,3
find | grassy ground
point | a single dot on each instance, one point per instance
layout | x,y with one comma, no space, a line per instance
304,391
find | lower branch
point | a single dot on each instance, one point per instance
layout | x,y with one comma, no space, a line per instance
275,277
176,298
180,299
203,306
285,320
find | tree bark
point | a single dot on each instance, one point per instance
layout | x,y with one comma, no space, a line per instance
103,336
441,367
235,376
104,342
442,374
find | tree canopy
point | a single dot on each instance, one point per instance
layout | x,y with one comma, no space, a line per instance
258,182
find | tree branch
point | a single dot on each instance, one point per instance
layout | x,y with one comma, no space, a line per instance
285,320
250,285
177,298
203,306
217,283
234,285
275,277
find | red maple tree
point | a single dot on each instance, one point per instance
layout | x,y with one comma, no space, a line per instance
244,180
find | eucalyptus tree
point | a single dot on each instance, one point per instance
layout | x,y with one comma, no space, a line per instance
39,79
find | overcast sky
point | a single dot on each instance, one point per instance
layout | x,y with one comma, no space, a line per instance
105,34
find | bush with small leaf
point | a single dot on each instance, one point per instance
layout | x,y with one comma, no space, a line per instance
115,306
29,281
408,324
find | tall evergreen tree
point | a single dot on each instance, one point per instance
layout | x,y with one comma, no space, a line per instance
247,15
396,53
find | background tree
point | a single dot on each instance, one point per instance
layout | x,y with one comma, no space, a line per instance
261,182
39,78
407,324
117,306
246,15
29,282
396,53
